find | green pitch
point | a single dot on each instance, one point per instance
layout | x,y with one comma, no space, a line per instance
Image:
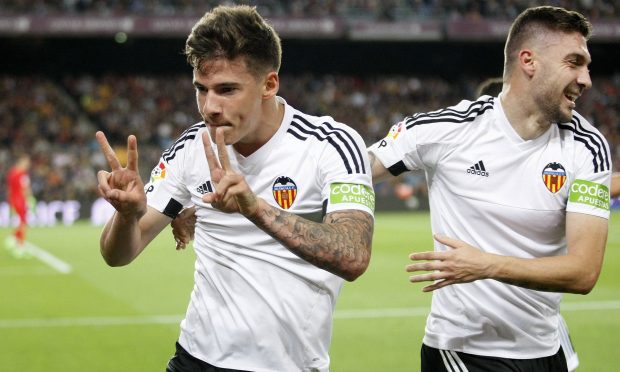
97,318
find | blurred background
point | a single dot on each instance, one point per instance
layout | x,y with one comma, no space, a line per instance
72,67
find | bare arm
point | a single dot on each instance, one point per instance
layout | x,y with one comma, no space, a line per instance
341,244
379,172
577,272
123,239
614,190
133,225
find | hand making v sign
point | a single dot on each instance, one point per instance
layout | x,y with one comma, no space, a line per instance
232,193
122,186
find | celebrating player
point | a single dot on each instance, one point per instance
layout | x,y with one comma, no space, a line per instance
284,207
493,87
519,199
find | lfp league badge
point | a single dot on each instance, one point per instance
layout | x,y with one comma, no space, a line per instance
284,191
554,176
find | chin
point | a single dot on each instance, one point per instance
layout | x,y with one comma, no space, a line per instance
564,116
567,117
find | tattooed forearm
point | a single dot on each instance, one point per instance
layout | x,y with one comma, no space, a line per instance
340,245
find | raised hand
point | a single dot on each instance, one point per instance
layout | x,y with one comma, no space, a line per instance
232,193
122,186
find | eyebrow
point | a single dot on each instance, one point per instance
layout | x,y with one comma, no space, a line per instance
580,57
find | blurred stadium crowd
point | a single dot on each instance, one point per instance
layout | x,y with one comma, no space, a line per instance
55,119
364,9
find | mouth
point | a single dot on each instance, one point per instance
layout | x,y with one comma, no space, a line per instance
218,125
571,97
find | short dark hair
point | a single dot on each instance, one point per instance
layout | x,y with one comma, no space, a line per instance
532,22
491,86
230,32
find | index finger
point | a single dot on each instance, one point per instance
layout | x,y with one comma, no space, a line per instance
107,150
221,149
211,159
132,153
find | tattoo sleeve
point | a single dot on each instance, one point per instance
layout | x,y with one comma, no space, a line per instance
340,245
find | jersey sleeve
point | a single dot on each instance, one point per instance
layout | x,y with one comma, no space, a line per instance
165,190
345,172
589,189
398,151
420,140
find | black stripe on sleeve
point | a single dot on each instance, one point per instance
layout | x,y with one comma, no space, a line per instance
187,135
450,115
340,139
173,208
398,168
593,141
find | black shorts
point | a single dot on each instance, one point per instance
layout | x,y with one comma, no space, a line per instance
435,360
182,361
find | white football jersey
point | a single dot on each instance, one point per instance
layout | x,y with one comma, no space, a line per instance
255,305
507,196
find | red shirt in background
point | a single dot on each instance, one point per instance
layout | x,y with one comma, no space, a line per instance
17,182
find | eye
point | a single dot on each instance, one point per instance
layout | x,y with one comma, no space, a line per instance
227,89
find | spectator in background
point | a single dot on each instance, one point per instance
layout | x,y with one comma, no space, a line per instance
284,210
512,217
18,196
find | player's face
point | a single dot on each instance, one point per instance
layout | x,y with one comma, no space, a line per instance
229,96
563,75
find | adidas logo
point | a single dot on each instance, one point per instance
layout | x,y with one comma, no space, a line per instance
204,188
478,169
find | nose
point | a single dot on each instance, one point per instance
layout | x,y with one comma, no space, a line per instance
584,79
210,105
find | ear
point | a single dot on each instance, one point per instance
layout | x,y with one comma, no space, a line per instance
272,85
527,62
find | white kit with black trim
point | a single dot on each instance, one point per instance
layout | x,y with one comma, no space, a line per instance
255,305
496,191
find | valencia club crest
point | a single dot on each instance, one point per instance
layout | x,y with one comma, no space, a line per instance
554,176
284,191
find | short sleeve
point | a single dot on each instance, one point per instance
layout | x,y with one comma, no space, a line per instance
345,172
589,189
165,191
398,150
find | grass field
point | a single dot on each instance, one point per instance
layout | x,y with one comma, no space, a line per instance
97,318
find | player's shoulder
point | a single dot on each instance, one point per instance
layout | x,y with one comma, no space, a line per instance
324,136
189,138
578,122
319,127
580,129
587,139
463,112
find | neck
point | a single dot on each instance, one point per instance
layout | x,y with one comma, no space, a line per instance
273,112
522,115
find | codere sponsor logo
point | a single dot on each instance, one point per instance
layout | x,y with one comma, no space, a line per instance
590,193
352,193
